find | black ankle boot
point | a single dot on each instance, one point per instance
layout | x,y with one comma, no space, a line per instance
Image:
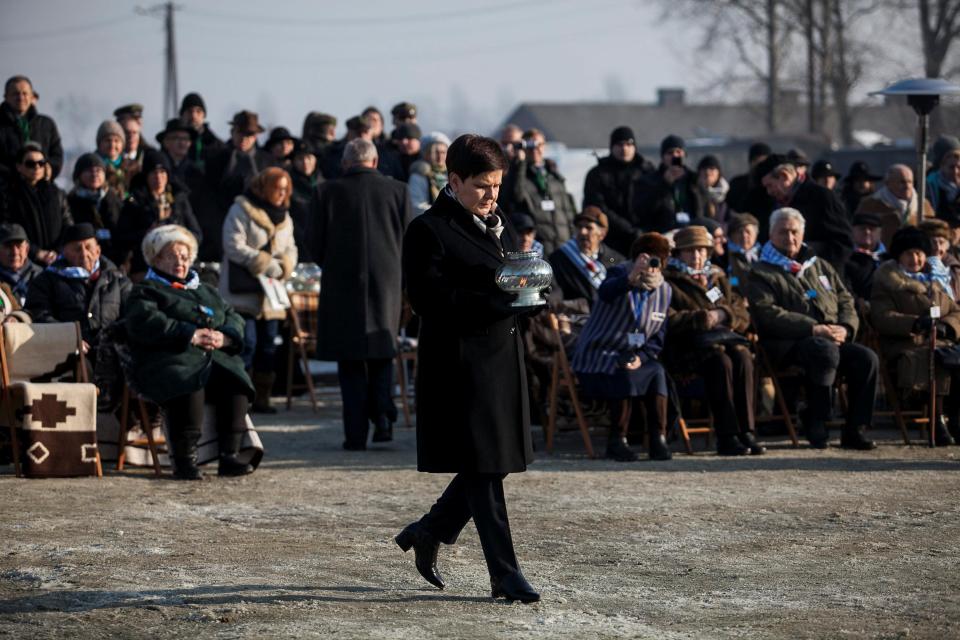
183,455
425,548
617,448
943,436
750,442
817,433
229,464
659,449
383,431
513,586
729,445
854,438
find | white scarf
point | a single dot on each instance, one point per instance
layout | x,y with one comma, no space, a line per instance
907,209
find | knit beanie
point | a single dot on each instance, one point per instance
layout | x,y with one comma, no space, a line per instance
943,146
84,162
110,128
621,134
671,142
192,100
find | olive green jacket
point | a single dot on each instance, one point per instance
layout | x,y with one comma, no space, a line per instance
160,321
785,307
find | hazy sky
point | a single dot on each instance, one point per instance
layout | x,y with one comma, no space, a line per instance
464,65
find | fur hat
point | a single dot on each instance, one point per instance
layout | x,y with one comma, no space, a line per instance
652,243
936,228
161,236
909,238
692,237
110,128
740,220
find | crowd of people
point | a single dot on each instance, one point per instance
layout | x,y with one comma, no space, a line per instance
672,273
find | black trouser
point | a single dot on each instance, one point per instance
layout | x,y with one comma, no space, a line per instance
480,496
365,389
185,413
822,361
728,378
656,415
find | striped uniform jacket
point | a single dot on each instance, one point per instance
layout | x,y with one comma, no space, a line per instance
604,344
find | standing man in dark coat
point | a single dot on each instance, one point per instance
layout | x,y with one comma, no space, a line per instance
205,144
358,234
669,198
472,413
611,185
20,123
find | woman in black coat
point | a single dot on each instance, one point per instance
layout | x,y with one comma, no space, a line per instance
155,199
472,412
91,201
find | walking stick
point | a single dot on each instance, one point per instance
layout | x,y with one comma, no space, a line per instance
934,314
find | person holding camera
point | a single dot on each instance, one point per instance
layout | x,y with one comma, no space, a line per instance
537,188
670,197
617,356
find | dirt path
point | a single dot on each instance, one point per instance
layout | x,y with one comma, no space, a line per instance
795,544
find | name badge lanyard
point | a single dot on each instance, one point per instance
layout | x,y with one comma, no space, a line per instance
638,302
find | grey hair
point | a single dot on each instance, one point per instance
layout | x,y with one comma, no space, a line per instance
786,213
359,151
894,169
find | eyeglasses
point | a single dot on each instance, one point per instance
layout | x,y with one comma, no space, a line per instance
34,164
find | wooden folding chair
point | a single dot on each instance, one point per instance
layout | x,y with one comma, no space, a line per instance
563,376
695,427
303,339
765,369
148,440
42,352
406,352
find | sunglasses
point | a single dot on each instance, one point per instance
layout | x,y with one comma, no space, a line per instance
34,164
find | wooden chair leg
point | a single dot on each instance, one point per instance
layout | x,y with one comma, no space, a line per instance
571,386
148,429
785,412
293,341
685,434
124,428
308,378
554,388
99,464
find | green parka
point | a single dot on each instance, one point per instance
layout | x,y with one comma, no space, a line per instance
160,321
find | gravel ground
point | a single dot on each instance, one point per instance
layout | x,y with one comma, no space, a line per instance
794,544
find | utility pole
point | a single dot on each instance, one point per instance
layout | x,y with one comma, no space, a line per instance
171,94
811,70
773,63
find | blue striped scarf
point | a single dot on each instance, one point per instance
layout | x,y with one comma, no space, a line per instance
683,267
592,270
192,280
770,255
751,254
938,273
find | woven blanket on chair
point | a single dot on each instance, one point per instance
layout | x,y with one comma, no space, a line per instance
58,428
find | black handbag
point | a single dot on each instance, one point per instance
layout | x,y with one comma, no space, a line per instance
241,280
948,357
725,337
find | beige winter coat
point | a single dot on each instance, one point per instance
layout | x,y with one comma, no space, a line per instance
246,231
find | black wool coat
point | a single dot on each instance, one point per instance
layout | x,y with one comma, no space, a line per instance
612,185
828,229
656,203
472,411
95,305
43,130
103,216
140,214
357,238
42,211
305,190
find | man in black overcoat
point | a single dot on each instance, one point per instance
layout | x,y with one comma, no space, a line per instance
359,220
472,411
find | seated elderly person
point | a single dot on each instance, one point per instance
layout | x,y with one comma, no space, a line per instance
186,343
806,317
707,325
896,202
17,271
582,262
868,251
742,250
80,286
617,354
905,288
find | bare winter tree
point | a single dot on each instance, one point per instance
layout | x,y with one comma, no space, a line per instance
939,29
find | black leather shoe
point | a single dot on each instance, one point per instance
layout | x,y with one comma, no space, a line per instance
943,436
731,446
618,450
855,439
817,434
750,442
425,548
383,433
659,449
230,466
349,446
513,586
186,469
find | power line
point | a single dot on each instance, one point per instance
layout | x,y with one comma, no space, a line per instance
80,29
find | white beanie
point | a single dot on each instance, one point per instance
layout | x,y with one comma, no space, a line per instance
161,236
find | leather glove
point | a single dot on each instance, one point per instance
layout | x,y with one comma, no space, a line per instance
274,269
943,331
923,324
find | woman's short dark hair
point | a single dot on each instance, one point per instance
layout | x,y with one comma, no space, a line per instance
471,155
29,147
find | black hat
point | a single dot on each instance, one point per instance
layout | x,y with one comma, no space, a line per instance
153,160
87,161
318,119
247,122
757,150
176,125
798,158
908,238
301,148
671,142
773,161
621,134
192,100
522,222
12,233
82,231
822,169
406,130
708,161
862,219
358,124
860,170
278,134
133,110
404,110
